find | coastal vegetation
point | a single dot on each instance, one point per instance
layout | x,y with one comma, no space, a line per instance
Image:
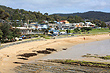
81,63
107,57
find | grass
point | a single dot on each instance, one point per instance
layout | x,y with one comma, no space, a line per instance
99,31
107,57
82,63
94,32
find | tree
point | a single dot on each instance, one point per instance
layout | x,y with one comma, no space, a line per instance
103,24
76,30
109,27
45,13
46,31
75,19
6,31
1,34
83,29
86,29
16,32
99,23
68,31
51,32
3,15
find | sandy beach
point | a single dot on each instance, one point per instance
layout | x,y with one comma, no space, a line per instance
9,55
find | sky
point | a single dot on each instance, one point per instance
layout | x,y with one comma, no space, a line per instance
59,6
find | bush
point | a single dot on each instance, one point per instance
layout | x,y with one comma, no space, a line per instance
76,30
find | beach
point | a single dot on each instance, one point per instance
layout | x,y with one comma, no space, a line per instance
86,52
9,55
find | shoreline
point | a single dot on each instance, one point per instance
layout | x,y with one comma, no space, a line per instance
93,51
7,57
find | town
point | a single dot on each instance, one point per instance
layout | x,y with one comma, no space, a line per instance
56,28
55,36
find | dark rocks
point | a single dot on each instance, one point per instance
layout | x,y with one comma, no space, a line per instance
23,58
27,54
7,55
64,48
44,52
34,51
51,49
46,67
18,63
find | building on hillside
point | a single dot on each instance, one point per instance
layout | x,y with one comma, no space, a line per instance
108,23
78,25
32,26
67,26
24,30
64,22
34,23
42,26
89,24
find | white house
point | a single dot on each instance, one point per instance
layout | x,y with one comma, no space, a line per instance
42,26
24,30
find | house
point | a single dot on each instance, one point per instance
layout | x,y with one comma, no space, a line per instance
108,23
32,26
89,24
81,24
24,30
42,26
67,26
64,22
78,25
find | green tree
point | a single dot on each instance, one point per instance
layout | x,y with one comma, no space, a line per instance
103,24
3,15
76,30
68,31
99,23
51,32
83,29
6,31
78,19
46,31
75,19
86,29
16,32
45,13
1,34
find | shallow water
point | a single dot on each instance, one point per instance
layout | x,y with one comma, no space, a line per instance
75,52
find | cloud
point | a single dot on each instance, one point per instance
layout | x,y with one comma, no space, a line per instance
59,6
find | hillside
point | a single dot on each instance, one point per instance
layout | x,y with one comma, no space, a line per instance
21,14
90,15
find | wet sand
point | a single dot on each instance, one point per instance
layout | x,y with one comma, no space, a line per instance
9,55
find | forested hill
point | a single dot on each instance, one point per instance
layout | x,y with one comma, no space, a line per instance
90,15
21,14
